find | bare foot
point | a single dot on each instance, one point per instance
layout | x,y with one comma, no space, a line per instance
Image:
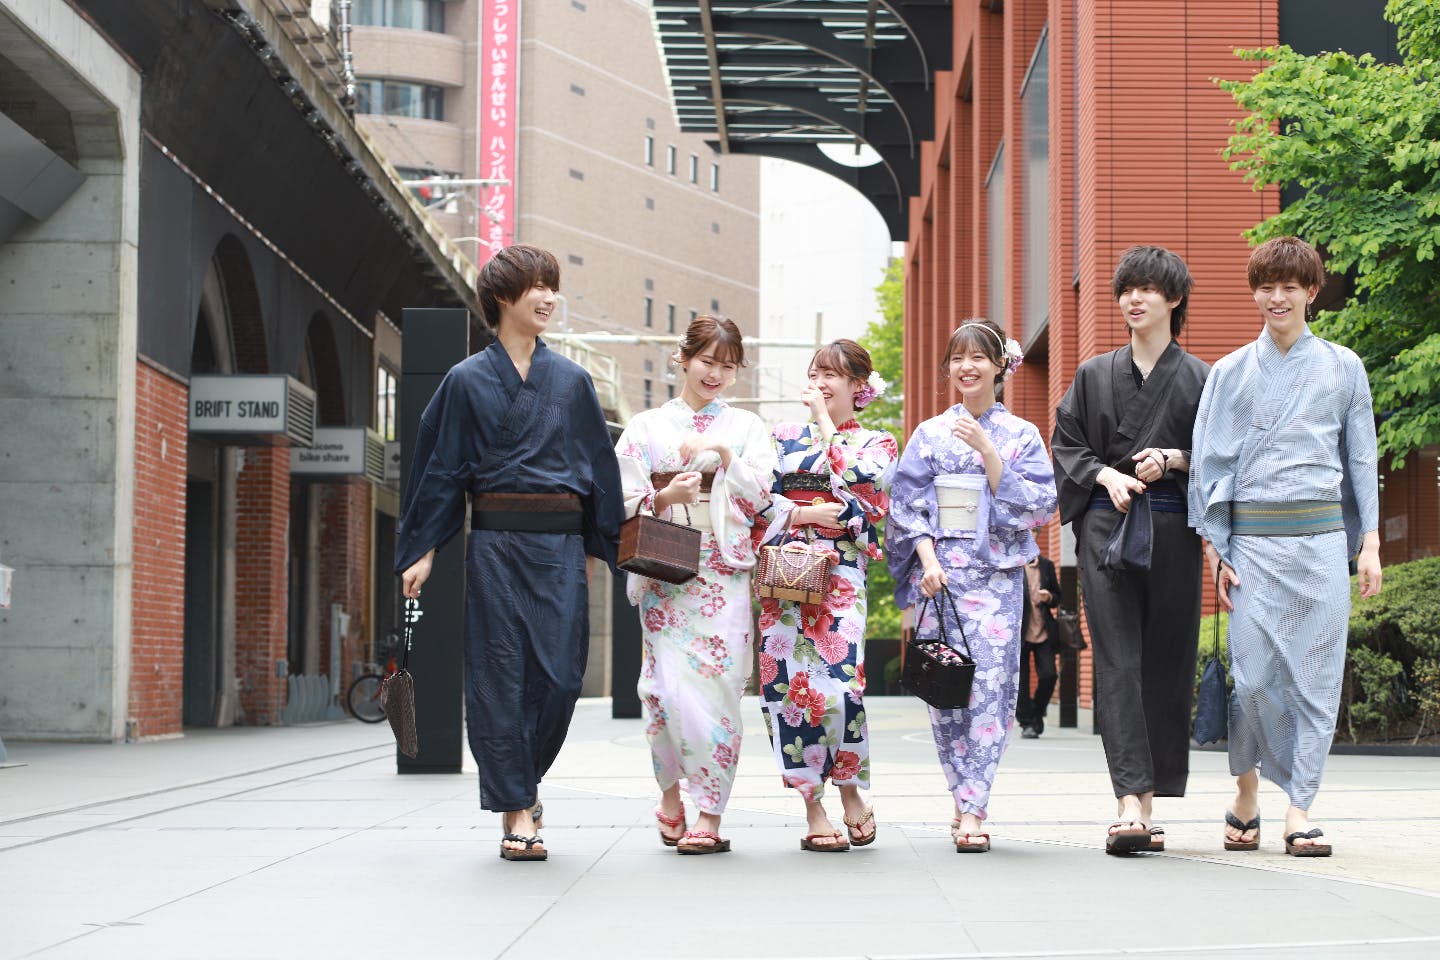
967,829
818,826
859,817
1246,808
521,824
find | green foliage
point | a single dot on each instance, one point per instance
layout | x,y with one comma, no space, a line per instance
1363,140
1405,614
1393,661
1376,691
884,339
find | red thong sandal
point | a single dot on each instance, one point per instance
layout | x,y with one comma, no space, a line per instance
962,840
673,823
717,845
837,844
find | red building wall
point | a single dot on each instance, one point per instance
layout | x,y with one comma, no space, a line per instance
261,587
157,639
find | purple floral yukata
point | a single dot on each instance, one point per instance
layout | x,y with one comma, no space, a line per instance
985,572
812,664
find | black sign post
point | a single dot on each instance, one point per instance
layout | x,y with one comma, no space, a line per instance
435,340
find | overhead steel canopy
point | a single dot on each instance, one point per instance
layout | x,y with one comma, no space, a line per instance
780,78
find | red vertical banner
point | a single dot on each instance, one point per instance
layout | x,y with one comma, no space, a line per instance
499,122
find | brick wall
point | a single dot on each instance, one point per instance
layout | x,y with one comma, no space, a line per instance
261,590
157,644
345,516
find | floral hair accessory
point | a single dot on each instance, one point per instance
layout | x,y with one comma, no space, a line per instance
873,387
1015,357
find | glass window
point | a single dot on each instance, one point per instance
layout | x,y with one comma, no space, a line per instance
1035,109
649,151
649,311
397,98
649,393
385,398
694,169
670,318
409,14
670,159
715,177
995,239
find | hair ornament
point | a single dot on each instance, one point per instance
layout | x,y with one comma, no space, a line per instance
1015,357
873,387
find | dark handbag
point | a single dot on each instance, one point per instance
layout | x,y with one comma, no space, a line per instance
935,671
659,549
1132,539
1070,636
397,692
1212,698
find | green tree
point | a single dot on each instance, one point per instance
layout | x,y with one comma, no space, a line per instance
884,338
1362,139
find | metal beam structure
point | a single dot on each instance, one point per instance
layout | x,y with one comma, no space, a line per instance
780,78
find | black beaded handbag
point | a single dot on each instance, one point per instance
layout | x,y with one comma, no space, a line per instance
935,671
397,692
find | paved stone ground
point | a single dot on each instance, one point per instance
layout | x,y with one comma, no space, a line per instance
300,841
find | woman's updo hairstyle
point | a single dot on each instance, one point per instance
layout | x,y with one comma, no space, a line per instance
711,330
845,357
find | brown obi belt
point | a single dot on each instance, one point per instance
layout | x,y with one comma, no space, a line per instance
807,488
662,480
526,512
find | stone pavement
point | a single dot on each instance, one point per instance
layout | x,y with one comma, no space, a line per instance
293,842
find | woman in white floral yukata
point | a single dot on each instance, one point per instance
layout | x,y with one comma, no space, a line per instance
699,461
998,485
830,481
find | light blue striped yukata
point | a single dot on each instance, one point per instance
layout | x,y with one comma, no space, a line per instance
1279,428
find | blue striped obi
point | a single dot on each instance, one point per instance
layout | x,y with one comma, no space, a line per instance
1165,497
1295,518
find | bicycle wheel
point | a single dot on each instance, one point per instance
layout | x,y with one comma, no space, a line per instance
363,698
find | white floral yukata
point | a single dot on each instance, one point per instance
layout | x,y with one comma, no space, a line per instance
985,572
812,663
697,654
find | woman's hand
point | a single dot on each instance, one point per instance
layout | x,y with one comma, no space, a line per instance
696,444
932,581
968,429
683,488
1120,487
820,515
414,578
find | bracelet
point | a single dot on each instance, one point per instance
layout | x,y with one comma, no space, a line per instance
1164,462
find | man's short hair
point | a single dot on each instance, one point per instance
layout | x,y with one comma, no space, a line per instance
1285,258
1156,267
511,272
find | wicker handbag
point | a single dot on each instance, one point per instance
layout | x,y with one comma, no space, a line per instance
795,570
397,693
659,549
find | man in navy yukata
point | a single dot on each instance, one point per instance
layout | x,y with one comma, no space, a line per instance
1285,492
518,429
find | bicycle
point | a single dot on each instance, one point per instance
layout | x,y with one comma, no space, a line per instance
363,696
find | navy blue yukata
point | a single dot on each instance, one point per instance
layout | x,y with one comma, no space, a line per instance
526,609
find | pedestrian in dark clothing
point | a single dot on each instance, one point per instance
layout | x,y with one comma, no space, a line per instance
1041,635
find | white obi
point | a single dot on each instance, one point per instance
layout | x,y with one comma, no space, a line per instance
694,515
958,497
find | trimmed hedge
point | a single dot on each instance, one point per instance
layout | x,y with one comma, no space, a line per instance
1392,665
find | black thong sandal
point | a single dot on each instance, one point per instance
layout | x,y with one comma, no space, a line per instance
1306,849
1132,839
1157,840
529,853
1235,823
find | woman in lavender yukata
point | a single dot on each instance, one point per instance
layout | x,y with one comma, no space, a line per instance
699,461
979,446
831,480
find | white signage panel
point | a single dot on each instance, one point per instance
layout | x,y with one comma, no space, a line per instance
336,451
392,461
238,404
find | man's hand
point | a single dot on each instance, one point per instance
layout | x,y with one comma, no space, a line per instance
1367,565
1149,464
1227,578
413,579
1120,487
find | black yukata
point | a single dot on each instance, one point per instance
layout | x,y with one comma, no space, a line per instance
1144,626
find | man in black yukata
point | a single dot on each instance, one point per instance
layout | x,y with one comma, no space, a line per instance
518,428
1123,432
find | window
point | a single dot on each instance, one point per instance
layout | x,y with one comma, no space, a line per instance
1035,268
670,159
670,391
714,306
649,203
649,151
577,174
649,311
995,239
385,401
649,283
670,318
715,177
578,5
397,98
576,259
714,226
576,89
694,169
649,393
693,315
410,14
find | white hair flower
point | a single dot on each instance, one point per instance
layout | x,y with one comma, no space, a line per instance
873,387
